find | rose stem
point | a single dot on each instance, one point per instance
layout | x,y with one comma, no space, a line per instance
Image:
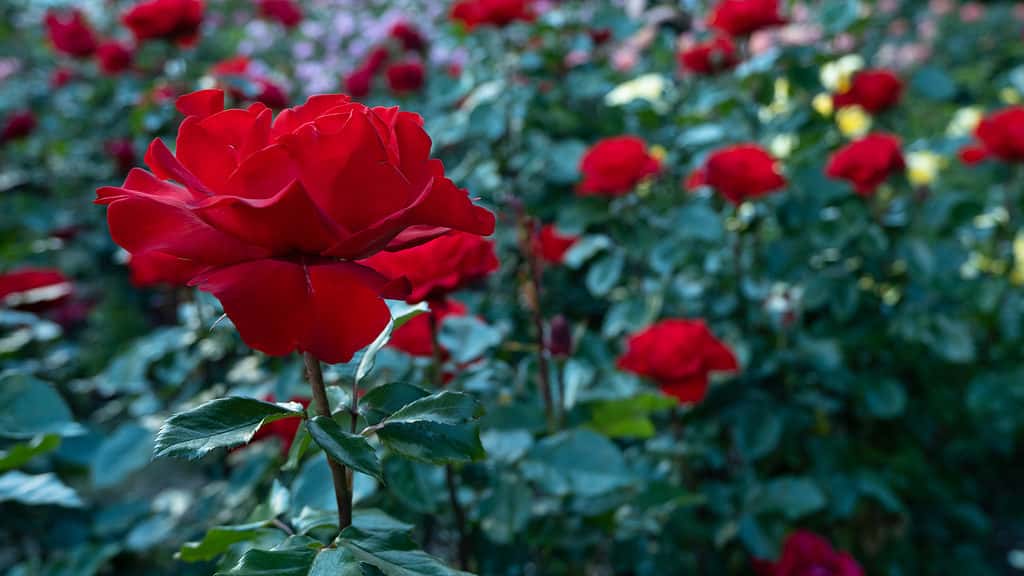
533,298
342,488
449,472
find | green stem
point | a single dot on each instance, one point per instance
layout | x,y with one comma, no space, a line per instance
339,474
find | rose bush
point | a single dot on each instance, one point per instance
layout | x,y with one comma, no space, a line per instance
631,288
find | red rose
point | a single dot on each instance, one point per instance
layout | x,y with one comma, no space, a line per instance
599,35
1002,134
376,59
408,36
114,57
678,355
867,162
552,246
971,155
273,214
122,152
414,336
153,268
61,77
284,429
739,173
70,33
744,17
287,12
614,166
405,77
872,90
439,267
35,290
474,13
359,82
710,57
19,124
807,554
175,20
243,85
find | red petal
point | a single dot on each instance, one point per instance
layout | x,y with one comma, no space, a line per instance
201,103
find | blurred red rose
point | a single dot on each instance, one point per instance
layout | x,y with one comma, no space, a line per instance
678,355
376,59
70,33
744,17
35,290
123,153
19,124
236,77
359,82
272,214
551,245
439,267
739,173
867,162
414,336
408,36
61,77
284,429
600,35
1001,134
807,554
287,12
114,57
614,166
174,20
474,13
971,155
155,268
710,57
872,90
405,77
559,341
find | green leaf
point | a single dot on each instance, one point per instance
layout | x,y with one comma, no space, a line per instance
126,450
218,539
586,248
467,338
369,355
885,398
18,454
506,510
37,490
628,417
224,422
335,562
401,312
578,462
384,400
30,407
386,545
604,273
351,450
435,429
794,497
291,562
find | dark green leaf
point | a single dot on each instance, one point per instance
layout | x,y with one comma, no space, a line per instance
224,422
386,545
18,454
29,407
293,562
351,450
37,490
435,429
218,539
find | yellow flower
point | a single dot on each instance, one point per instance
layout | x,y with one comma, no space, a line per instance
782,145
648,87
923,167
658,152
836,76
964,121
1017,275
822,104
1009,96
853,121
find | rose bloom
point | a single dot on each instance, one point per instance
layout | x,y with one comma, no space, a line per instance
551,246
739,173
175,20
1001,135
744,17
414,337
405,77
971,155
867,162
70,33
807,554
678,355
287,12
61,77
114,57
872,90
710,57
359,83
156,268
122,152
499,13
272,214
408,36
19,124
614,166
439,267
245,86
35,290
